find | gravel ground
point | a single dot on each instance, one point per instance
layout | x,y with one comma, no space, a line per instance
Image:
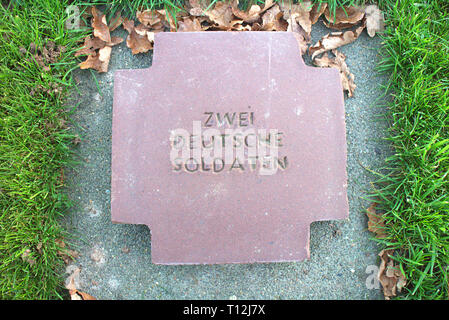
115,260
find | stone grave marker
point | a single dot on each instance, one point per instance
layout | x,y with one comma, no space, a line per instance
228,147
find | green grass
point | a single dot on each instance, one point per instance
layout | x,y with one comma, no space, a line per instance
414,190
34,147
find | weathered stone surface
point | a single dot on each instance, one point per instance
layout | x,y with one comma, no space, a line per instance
241,213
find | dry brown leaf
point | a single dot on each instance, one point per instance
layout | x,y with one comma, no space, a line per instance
153,19
196,7
73,279
346,77
254,12
272,20
267,5
98,60
374,20
140,39
78,295
390,276
340,26
289,8
335,40
301,12
299,33
168,20
116,22
93,44
317,11
100,26
256,26
101,41
375,221
114,41
238,26
90,45
71,285
221,15
251,16
402,280
189,24
148,17
347,15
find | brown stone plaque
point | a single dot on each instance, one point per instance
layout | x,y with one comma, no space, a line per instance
228,147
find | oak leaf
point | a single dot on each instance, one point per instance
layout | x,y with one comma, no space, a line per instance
71,285
221,15
169,19
140,39
390,276
252,15
116,22
335,40
98,60
254,12
93,44
90,46
98,48
79,295
346,77
345,15
99,24
195,7
237,25
301,12
189,24
316,12
298,32
152,19
376,222
272,20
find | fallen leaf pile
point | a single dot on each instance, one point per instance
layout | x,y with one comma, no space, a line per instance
199,15
390,276
140,38
99,47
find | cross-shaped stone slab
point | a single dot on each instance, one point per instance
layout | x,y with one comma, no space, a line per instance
227,148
